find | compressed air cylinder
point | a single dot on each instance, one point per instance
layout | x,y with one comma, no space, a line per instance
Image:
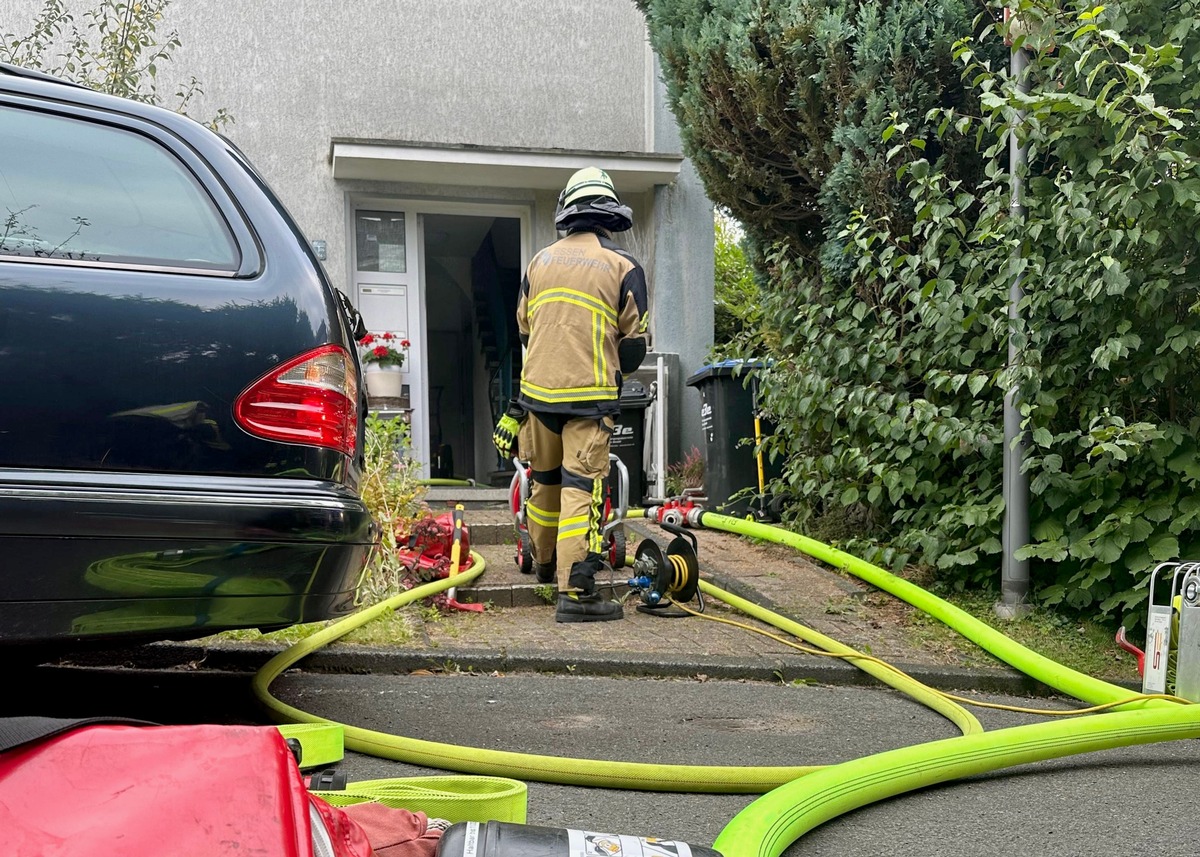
1187,665
501,839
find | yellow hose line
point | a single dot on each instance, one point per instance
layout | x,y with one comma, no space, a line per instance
634,776
858,656
774,821
792,806
927,696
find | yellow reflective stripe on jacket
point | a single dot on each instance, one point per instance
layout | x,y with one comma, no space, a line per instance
574,296
570,394
599,369
578,298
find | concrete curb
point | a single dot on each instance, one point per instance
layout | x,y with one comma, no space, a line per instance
348,658
365,660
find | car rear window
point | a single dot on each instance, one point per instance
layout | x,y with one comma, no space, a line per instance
84,192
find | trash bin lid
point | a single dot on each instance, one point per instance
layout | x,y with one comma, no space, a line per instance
724,369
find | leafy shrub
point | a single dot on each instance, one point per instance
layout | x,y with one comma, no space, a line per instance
864,148
685,474
392,490
1109,370
736,298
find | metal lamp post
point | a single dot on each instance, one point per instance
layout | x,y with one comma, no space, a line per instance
1014,575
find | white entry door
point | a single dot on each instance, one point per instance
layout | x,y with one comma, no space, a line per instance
387,277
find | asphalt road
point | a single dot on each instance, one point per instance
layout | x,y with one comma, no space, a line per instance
1137,800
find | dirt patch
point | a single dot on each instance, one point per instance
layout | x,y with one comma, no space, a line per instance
830,602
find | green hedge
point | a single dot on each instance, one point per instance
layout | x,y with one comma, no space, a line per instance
864,146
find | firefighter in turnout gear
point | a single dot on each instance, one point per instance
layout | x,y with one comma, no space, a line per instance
582,313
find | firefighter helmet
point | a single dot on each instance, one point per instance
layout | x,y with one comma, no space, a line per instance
589,198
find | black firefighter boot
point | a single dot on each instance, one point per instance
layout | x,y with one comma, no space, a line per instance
544,572
586,605
579,607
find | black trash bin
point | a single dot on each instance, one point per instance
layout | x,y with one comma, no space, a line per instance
727,406
629,440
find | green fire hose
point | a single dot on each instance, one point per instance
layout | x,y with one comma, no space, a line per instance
773,822
636,776
797,798
1036,666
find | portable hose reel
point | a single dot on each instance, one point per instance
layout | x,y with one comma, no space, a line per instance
612,532
663,579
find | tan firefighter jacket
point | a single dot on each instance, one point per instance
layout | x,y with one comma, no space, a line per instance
580,297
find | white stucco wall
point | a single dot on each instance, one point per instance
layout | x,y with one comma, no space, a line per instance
449,71
530,73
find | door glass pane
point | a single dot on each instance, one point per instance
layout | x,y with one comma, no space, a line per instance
380,239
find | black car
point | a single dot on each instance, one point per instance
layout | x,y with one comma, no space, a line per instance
180,406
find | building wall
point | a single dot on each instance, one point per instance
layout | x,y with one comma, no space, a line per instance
684,271
450,71
296,73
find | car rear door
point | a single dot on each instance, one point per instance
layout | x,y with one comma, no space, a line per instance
139,296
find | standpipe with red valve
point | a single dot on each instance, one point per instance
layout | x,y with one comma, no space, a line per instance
455,563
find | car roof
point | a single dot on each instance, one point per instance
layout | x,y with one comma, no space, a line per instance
20,71
20,81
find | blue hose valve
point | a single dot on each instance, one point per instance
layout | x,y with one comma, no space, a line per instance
643,584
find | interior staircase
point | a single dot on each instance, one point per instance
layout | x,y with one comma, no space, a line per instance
494,293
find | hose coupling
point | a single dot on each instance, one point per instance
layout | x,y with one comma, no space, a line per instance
674,517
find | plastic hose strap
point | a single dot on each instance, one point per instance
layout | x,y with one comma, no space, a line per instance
320,743
454,798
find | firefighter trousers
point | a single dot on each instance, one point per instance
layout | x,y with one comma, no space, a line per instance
569,459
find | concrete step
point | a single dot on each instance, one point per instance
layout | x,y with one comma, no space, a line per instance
485,512
493,536
471,496
503,585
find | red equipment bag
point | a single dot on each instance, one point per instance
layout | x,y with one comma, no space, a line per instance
431,544
71,788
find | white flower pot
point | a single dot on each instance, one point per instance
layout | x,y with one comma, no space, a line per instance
383,382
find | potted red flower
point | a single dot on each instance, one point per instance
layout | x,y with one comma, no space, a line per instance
382,356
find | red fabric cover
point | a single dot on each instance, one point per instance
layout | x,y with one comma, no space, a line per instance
395,832
150,791
430,546
349,838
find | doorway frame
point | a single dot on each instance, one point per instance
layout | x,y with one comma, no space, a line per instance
421,206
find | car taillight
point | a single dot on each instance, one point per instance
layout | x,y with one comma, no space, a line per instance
311,399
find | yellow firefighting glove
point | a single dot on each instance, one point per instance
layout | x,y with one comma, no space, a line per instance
505,435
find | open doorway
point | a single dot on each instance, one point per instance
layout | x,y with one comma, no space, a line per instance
472,276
